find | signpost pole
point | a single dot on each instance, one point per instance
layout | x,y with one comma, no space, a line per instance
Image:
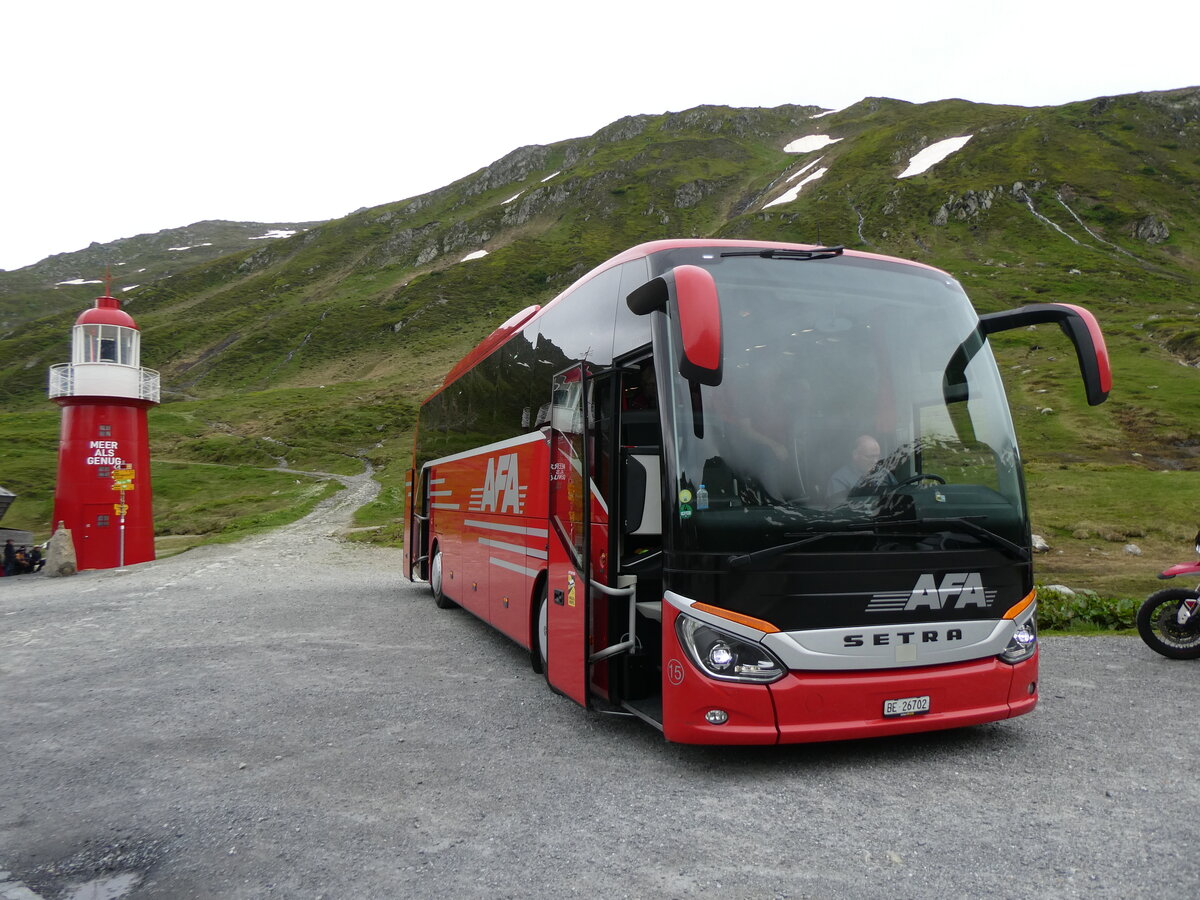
122,482
121,556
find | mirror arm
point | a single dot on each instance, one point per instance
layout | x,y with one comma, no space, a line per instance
1076,323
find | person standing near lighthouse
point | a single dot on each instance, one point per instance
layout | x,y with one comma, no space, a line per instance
102,493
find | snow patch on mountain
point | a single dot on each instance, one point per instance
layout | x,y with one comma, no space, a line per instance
933,154
810,143
791,194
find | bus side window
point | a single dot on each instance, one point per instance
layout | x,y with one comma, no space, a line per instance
632,331
641,482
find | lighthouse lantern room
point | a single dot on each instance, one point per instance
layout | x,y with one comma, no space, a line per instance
103,490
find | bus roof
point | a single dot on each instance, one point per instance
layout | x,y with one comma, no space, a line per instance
651,247
514,323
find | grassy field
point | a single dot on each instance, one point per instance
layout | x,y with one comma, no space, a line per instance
194,501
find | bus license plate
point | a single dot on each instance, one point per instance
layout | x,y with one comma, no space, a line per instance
905,706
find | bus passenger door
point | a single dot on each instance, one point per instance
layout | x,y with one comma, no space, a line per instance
416,526
568,597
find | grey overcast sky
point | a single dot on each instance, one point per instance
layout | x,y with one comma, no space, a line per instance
126,116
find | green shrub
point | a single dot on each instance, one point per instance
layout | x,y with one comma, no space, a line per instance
1060,611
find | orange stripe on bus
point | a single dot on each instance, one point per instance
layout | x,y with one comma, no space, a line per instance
748,621
1022,606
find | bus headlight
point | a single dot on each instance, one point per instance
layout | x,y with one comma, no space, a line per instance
725,656
1023,642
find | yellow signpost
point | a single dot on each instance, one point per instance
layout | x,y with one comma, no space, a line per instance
122,480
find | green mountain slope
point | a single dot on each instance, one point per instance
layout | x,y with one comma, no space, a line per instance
319,346
66,281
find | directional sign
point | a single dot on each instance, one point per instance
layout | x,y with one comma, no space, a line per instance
122,485
120,509
123,473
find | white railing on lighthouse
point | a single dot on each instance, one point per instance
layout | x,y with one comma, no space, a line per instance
104,380
62,381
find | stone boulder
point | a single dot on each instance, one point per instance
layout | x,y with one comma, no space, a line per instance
60,554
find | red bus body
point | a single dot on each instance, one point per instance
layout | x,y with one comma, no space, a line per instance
567,504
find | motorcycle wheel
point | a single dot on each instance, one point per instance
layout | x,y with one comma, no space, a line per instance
1156,623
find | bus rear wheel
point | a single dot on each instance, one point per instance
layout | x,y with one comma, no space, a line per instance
440,600
540,650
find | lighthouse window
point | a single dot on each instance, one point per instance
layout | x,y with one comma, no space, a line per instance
105,431
106,343
129,339
101,521
103,471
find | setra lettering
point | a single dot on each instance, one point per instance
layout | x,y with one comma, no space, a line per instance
890,638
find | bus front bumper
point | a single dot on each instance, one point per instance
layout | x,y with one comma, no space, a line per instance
832,706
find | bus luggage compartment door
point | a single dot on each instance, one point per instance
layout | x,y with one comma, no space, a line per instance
568,596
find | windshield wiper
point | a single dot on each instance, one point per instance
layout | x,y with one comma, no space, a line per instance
1016,551
779,253
739,560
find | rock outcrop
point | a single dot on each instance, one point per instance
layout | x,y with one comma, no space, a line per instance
1150,229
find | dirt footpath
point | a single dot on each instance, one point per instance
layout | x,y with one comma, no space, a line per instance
286,717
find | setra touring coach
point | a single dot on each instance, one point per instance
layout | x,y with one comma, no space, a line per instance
749,492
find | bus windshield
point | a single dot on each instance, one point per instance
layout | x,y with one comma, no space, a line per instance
857,398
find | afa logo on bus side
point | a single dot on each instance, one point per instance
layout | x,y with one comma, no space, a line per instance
502,490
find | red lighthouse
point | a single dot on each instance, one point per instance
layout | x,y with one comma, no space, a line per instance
103,489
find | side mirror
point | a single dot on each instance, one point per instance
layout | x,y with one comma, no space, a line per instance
1077,324
692,293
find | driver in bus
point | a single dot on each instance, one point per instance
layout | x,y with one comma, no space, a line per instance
863,470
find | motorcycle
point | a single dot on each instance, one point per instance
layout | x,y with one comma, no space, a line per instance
1169,620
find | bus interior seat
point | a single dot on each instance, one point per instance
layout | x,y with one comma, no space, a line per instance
643,506
641,528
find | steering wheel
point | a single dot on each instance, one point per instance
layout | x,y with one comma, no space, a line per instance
920,476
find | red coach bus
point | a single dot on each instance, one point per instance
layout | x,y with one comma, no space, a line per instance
749,492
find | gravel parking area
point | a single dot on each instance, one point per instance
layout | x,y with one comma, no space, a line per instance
287,717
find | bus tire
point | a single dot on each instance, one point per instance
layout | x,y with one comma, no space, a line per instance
440,600
538,649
